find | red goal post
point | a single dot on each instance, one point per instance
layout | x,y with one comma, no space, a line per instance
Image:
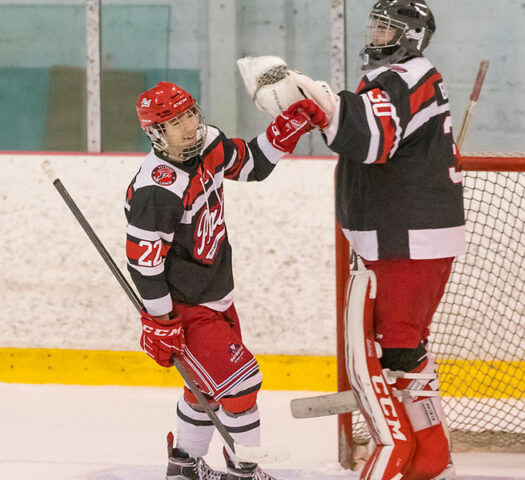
484,411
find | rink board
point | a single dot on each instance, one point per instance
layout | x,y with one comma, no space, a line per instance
280,372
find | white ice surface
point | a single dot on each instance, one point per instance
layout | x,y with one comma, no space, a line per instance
54,282
56,432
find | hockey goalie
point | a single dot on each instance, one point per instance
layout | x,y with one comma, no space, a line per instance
399,201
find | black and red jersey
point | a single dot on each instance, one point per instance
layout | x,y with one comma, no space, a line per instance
398,192
177,242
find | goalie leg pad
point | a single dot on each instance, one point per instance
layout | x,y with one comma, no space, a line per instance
432,453
385,414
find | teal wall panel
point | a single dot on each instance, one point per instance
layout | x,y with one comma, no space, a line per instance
24,105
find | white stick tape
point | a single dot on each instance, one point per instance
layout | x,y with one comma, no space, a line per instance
46,166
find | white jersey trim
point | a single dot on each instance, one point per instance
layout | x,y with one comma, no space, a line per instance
158,306
363,243
416,69
375,136
373,74
247,168
423,116
144,176
270,152
232,161
437,242
148,271
212,134
331,131
220,305
148,234
423,244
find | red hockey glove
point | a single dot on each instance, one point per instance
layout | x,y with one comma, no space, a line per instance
301,117
315,115
162,340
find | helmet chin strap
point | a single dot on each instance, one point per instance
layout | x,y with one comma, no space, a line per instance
167,156
161,147
369,63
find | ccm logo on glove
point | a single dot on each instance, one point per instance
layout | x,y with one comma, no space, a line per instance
301,117
161,341
162,332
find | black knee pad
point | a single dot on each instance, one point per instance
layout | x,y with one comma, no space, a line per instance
404,359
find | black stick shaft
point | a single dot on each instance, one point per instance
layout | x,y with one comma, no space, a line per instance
135,300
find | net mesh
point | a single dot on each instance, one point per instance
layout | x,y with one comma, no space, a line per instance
478,332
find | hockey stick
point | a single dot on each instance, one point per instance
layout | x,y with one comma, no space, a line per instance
474,97
344,402
241,452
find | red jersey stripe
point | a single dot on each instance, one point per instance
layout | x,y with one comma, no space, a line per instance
236,168
135,251
389,135
423,93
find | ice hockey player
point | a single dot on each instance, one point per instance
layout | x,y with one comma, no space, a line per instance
399,201
180,260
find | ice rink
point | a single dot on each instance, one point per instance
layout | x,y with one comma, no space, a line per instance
57,432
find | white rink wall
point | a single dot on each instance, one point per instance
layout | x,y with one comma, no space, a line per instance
58,293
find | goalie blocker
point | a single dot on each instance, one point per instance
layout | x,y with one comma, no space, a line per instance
401,407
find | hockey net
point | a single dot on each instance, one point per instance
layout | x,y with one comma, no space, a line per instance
478,332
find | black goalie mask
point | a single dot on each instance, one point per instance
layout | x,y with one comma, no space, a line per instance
397,29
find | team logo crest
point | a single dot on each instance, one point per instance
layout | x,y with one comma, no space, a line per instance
145,103
236,351
164,175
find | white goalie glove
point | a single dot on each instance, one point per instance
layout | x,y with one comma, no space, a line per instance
273,87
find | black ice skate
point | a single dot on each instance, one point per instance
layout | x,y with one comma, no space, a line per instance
247,471
183,467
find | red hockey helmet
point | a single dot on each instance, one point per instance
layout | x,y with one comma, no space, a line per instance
165,108
161,103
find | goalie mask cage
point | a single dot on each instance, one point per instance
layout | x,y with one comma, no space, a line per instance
478,332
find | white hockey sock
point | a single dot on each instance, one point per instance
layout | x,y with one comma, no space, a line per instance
245,427
194,430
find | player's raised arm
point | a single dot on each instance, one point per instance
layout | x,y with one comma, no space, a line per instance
256,159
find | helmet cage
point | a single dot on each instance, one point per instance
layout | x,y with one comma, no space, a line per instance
406,28
384,32
190,140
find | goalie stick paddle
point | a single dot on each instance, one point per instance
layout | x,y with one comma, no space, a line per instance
323,405
262,454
